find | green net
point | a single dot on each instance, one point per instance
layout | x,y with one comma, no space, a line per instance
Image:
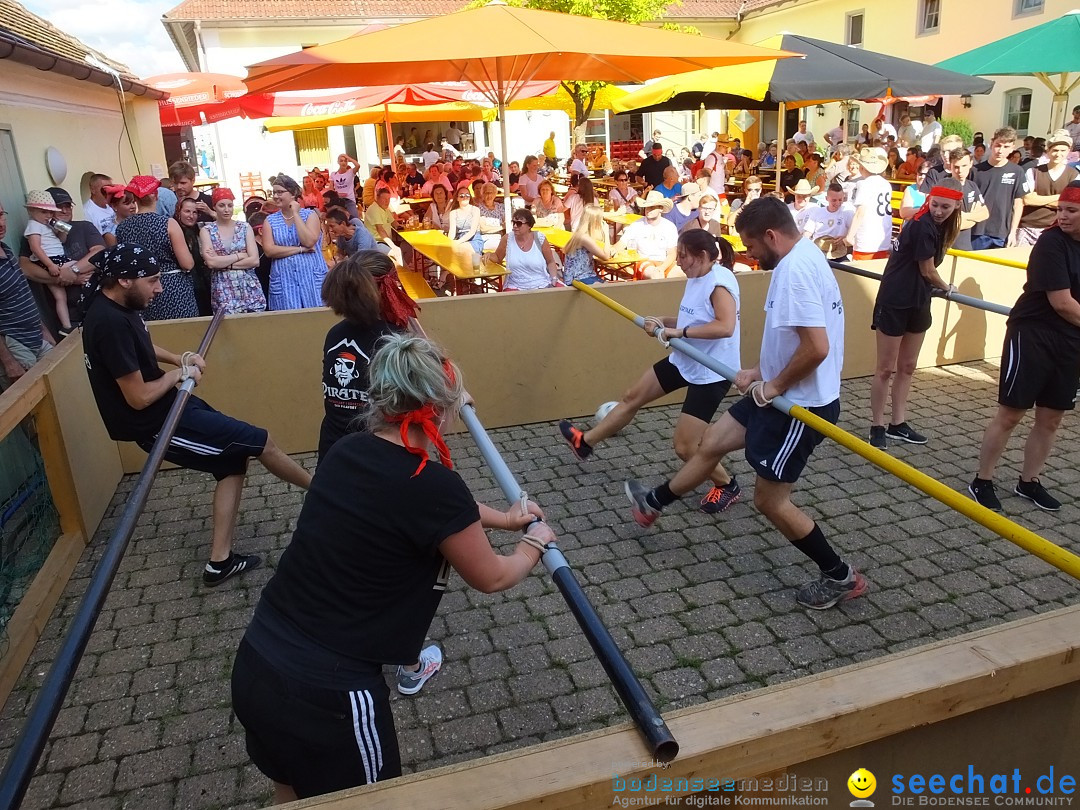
29,524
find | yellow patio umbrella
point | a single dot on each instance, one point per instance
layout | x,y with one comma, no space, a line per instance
498,49
562,101
385,114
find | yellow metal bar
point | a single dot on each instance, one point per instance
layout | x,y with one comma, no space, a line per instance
1003,527
980,256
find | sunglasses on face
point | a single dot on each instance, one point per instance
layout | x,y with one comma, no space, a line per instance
518,222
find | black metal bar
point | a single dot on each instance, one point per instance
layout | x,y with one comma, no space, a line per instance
35,732
966,300
645,715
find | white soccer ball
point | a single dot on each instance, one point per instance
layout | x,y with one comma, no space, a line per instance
603,411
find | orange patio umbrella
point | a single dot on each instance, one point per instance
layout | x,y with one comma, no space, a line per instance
498,49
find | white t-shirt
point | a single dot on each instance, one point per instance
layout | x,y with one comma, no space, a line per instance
886,130
874,195
1074,130
344,183
835,135
909,135
1029,177
695,309
453,136
102,218
931,134
527,187
51,245
579,167
803,292
430,159
652,241
800,216
807,136
821,222
716,164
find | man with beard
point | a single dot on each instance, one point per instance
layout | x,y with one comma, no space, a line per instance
802,352
134,396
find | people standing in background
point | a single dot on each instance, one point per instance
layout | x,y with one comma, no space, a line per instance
229,251
187,215
22,334
803,135
453,135
972,208
1002,185
292,238
908,133
870,235
931,131
549,152
97,208
344,181
1073,128
837,135
183,179
1043,184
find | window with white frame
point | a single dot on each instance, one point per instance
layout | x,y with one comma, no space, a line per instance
1018,109
854,33
1021,7
929,16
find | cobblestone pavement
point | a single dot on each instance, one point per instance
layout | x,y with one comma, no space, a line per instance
703,606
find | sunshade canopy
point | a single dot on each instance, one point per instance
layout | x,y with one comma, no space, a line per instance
392,113
497,47
827,72
1053,47
561,100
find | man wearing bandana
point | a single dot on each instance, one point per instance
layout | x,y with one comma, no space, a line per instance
134,395
1040,362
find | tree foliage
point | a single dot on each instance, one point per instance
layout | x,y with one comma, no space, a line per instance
628,11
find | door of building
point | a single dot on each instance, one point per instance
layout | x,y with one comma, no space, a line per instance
12,189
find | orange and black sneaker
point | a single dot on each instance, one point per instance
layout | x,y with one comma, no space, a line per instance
719,499
576,439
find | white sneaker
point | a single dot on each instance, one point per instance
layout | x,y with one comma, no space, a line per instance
409,683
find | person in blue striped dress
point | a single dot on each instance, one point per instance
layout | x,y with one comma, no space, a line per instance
292,238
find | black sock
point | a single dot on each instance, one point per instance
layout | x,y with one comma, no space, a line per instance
221,563
983,480
817,548
661,496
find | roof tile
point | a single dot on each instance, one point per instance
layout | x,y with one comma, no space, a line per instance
16,21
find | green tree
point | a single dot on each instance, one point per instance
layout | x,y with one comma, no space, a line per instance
628,11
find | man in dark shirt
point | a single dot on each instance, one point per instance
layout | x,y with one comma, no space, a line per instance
134,396
652,168
1040,362
1002,185
183,179
22,341
972,206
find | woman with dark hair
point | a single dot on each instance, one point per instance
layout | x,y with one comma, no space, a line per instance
229,252
528,255
187,214
164,238
894,164
581,195
902,308
360,582
708,319
790,177
292,238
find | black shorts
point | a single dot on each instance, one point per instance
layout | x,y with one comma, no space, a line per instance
701,400
1037,368
899,321
209,441
316,740
777,445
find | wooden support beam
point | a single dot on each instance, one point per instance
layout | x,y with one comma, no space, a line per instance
36,606
20,399
761,733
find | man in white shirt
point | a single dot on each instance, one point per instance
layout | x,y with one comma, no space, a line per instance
802,205
803,134
802,352
835,136
827,226
870,234
653,236
578,165
430,156
97,209
453,135
1073,128
931,131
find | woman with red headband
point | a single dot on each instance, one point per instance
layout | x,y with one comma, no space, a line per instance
164,238
229,249
357,587
902,308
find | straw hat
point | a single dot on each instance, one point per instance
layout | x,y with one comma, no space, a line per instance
44,201
1060,136
874,159
654,199
802,188
690,189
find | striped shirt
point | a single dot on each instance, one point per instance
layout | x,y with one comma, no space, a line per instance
19,317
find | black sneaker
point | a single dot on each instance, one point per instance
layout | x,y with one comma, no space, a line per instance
983,492
645,514
1035,492
904,433
719,499
877,437
217,572
575,439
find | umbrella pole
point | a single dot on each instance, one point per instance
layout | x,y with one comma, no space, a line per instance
389,136
501,92
781,142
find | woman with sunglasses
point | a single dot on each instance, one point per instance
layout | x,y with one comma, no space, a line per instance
463,224
528,256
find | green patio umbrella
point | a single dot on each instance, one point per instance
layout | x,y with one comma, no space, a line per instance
1049,52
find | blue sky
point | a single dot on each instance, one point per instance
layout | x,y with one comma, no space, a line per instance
129,31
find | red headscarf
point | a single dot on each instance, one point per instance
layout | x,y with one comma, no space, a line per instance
114,192
939,191
220,193
1070,194
425,418
142,185
396,305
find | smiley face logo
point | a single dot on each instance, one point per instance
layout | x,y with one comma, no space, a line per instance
862,784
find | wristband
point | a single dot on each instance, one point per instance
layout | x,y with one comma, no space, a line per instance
684,332
757,391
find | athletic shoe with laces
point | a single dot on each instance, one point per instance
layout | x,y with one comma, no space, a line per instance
409,683
823,593
1035,492
719,499
984,493
644,513
217,572
904,433
877,437
575,439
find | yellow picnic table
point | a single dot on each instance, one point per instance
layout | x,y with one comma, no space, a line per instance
621,219
458,259
612,269
415,284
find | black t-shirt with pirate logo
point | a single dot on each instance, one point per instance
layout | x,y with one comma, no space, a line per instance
115,344
346,352
362,577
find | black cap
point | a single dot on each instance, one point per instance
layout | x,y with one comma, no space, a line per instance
60,197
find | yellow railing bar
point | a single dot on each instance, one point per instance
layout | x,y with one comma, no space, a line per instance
980,256
1042,548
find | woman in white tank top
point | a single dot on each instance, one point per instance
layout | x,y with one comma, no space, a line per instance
709,320
529,257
